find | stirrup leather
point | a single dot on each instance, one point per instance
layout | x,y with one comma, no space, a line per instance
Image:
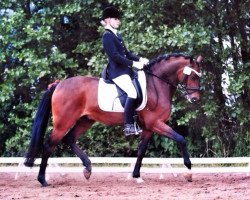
138,130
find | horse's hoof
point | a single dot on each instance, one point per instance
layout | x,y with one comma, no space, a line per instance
29,162
139,180
43,182
188,176
87,174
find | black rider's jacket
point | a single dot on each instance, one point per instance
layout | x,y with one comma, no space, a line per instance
120,60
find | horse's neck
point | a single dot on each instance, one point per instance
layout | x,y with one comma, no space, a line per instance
167,70
166,85
161,92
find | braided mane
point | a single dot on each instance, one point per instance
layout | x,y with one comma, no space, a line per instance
167,57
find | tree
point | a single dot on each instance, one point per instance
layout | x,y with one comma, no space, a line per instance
42,41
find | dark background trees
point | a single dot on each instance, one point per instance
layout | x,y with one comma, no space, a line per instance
41,41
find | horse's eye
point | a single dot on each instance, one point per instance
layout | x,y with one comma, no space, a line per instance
194,77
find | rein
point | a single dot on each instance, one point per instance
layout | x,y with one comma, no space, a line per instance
183,87
162,79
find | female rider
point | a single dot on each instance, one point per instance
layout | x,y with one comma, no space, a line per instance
120,63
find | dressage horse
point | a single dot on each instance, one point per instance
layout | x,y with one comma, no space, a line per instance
74,107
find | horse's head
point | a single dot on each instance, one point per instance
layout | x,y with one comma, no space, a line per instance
189,78
178,70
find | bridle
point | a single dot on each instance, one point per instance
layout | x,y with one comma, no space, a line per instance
183,84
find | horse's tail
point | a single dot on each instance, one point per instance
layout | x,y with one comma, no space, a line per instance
39,126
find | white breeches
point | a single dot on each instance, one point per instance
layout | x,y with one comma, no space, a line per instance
125,83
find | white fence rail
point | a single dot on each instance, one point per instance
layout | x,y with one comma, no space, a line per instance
126,165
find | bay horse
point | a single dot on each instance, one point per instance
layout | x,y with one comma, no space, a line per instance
75,109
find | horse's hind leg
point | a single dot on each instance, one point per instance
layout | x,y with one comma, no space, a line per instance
81,126
48,148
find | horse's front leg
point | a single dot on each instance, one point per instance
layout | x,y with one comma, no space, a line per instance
145,137
162,129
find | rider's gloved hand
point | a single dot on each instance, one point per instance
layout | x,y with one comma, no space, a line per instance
138,65
144,60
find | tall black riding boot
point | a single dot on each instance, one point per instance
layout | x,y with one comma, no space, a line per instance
130,127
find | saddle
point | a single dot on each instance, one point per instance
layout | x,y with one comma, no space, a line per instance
112,98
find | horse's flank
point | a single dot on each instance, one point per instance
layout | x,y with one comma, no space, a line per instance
82,91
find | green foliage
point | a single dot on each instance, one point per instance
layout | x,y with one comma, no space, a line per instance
58,39
101,140
162,147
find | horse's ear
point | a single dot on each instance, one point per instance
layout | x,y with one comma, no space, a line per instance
199,59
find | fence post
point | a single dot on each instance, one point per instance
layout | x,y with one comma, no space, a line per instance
132,165
163,167
248,174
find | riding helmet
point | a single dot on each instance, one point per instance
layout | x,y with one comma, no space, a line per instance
111,12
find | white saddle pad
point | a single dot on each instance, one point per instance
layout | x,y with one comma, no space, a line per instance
108,99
